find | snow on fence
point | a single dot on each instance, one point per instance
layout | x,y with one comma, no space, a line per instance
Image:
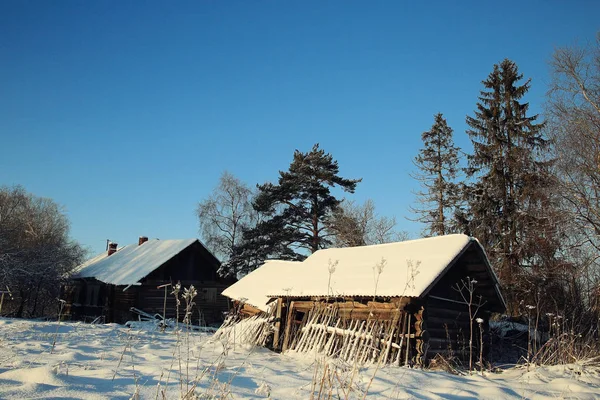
254,330
383,335
376,332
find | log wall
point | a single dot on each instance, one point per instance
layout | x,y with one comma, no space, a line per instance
448,326
209,308
419,329
193,266
386,332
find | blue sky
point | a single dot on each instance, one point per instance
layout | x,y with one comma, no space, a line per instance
127,112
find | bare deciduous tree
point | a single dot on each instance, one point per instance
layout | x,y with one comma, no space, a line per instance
224,215
354,224
573,114
36,253
573,111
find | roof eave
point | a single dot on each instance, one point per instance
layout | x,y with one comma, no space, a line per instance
138,281
446,269
486,264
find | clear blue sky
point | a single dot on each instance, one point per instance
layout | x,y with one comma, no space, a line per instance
127,112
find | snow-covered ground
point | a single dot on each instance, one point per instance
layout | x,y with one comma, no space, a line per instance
87,357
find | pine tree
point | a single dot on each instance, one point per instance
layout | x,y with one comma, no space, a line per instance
438,165
294,211
510,204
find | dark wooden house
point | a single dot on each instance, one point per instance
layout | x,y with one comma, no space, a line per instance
409,300
139,275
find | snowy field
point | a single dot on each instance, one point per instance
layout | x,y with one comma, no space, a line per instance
86,358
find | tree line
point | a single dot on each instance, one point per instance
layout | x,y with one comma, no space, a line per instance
529,191
290,219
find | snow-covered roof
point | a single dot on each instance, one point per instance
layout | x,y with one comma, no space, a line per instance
253,288
408,269
131,263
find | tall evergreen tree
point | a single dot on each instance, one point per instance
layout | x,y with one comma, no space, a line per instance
294,211
510,203
438,165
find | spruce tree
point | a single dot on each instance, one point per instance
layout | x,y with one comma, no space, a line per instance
294,211
510,204
437,162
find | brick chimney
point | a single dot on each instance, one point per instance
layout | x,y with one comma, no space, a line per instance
112,248
142,240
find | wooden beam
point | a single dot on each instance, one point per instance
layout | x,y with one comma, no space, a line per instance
407,341
368,314
350,306
444,299
249,310
288,326
277,324
387,306
304,305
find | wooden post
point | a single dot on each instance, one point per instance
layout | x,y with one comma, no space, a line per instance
166,285
401,335
288,326
165,306
277,324
1,301
407,340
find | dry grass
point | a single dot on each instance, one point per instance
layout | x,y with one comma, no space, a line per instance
568,348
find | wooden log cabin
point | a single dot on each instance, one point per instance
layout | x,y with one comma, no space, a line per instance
139,275
408,300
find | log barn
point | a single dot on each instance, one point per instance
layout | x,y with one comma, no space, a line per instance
139,275
400,302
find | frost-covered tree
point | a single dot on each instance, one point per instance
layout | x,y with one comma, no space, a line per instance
437,164
573,110
510,200
295,210
223,216
36,253
573,114
354,224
